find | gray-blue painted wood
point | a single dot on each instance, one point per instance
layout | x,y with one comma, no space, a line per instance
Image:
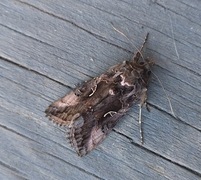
47,47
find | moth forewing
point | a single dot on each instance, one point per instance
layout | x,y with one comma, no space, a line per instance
94,108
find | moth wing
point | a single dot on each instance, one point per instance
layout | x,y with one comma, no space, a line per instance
68,108
71,106
90,129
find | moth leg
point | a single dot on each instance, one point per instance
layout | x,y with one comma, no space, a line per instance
147,106
140,123
137,56
142,102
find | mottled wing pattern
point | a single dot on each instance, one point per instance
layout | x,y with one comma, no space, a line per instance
91,128
93,112
93,109
68,108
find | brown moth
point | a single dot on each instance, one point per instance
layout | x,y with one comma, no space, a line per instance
94,108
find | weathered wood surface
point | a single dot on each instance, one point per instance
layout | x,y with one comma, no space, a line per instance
46,47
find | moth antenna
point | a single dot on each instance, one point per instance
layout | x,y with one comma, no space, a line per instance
170,104
139,53
138,50
145,40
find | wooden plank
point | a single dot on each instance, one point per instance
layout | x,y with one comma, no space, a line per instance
47,47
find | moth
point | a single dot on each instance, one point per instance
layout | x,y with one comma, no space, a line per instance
92,109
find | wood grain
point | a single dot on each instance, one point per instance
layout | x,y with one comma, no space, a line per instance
47,47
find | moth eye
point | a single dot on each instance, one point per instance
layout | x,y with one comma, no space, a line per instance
141,63
148,72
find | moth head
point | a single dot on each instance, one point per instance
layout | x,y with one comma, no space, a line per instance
144,69
135,72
